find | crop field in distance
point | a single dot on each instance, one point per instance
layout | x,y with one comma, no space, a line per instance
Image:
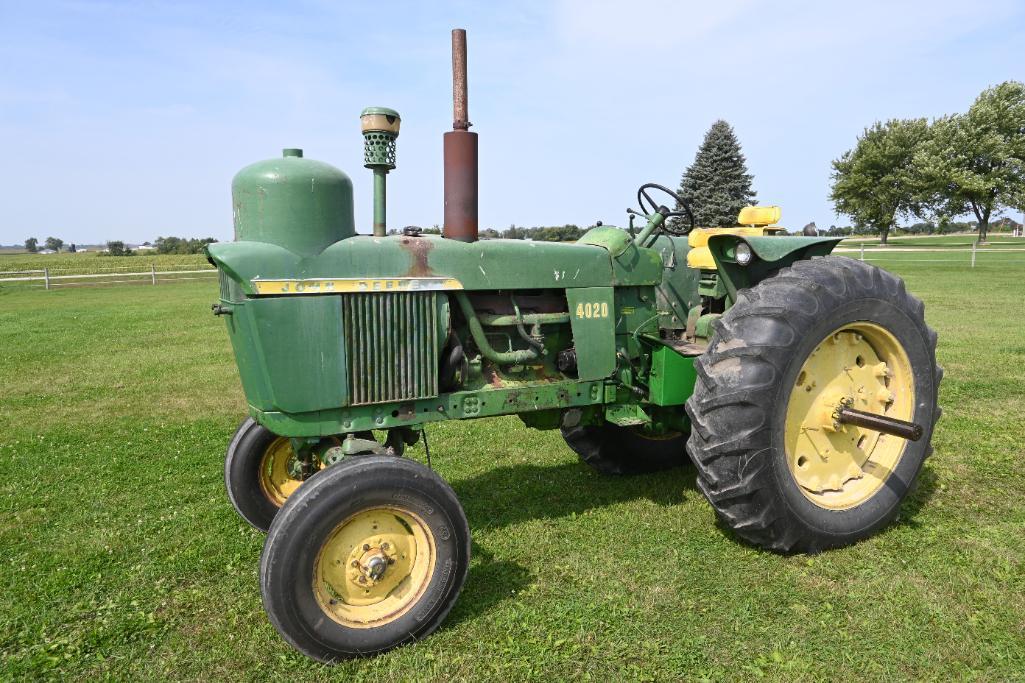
93,262
121,557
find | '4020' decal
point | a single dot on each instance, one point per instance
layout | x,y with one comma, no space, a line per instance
593,310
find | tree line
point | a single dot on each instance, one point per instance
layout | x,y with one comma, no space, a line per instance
51,243
555,233
940,227
963,164
182,245
162,245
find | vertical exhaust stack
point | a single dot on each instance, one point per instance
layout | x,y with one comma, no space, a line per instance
460,155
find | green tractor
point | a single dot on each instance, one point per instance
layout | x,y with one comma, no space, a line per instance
802,386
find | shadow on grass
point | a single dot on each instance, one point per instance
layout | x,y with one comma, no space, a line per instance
508,495
924,488
504,496
488,584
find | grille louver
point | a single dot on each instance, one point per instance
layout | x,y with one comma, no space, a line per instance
392,346
230,291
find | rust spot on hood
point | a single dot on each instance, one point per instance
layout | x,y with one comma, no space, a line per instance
418,249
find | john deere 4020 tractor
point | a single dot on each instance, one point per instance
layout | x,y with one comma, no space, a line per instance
802,386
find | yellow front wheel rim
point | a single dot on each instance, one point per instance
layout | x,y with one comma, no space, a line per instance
839,466
278,470
374,567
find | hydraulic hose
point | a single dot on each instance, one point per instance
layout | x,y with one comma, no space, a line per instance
477,332
523,330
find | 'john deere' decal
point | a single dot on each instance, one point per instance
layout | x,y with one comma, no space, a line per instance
344,285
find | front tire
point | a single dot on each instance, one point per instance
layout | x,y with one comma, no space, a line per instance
368,555
771,460
259,473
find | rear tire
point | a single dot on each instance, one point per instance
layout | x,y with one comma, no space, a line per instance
614,450
771,488
372,511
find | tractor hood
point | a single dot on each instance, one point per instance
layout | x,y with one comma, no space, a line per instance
487,264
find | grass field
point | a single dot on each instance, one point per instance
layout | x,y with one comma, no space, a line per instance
120,556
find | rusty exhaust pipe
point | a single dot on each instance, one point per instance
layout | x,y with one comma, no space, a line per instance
460,155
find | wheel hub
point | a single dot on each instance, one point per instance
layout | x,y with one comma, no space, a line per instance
861,366
373,561
374,566
280,471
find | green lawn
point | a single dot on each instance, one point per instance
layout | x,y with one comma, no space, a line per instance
120,556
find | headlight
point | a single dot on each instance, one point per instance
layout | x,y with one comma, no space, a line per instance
743,253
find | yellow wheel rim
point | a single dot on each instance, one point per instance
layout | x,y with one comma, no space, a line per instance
374,567
839,466
278,471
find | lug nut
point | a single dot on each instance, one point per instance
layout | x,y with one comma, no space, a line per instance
366,547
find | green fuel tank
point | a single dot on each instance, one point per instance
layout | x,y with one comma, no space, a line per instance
296,203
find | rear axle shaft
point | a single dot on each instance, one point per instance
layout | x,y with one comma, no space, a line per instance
880,423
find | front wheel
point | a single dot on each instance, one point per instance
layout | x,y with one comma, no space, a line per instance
367,555
773,458
260,472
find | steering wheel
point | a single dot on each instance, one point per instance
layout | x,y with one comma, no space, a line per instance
644,199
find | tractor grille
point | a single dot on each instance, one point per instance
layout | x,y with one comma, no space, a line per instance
392,346
230,291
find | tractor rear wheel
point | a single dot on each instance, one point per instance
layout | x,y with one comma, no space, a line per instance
615,450
368,554
772,458
260,473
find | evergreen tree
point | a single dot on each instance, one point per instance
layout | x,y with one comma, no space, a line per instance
717,184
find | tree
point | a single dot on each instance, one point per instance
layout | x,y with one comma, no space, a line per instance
717,185
54,243
181,245
31,245
878,182
117,248
976,161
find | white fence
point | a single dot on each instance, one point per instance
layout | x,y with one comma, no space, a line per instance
966,256
53,278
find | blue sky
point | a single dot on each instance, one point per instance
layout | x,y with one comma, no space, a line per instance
127,120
